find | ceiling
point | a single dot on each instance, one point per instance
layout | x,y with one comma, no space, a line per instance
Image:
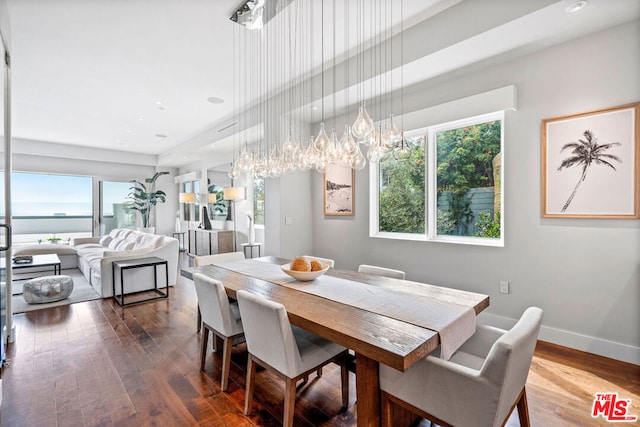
136,75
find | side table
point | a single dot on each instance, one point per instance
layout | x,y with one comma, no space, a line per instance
250,246
128,264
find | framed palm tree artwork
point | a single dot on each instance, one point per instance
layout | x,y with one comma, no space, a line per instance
591,164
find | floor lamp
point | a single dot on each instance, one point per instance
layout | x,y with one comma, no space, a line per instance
233,194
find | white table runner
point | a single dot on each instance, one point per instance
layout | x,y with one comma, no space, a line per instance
454,322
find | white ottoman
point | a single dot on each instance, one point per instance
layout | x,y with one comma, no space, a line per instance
47,289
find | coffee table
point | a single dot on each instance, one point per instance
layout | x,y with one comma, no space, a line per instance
47,260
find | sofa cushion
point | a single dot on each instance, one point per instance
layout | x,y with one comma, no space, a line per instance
90,253
45,248
125,246
114,243
151,240
105,240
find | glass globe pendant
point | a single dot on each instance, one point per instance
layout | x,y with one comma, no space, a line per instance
347,143
358,161
363,124
322,140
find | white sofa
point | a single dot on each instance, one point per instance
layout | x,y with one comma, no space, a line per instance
96,256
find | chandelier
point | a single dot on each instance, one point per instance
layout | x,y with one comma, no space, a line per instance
278,76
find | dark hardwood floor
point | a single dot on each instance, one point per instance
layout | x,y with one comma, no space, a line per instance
97,364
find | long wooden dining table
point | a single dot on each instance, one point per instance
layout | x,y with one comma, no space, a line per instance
375,338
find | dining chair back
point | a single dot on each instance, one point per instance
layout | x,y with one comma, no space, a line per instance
480,384
218,316
284,349
381,271
214,259
325,260
218,258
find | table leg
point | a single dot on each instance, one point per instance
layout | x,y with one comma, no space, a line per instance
367,391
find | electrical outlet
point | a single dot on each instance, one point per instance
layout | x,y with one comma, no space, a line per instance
504,287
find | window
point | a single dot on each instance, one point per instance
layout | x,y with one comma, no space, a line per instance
448,188
43,195
258,201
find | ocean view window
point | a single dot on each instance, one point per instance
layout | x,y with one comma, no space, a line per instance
50,208
45,195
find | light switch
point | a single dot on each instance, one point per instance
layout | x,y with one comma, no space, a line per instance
288,220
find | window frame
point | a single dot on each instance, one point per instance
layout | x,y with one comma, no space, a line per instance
430,164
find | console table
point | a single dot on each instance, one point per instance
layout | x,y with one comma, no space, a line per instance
127,264
209,242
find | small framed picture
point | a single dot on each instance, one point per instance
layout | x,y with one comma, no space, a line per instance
338,190
591,163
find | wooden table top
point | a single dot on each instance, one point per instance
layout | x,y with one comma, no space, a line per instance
381,338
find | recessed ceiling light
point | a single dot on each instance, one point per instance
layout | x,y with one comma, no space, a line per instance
576,6
215,100
161,135
128,131
140,119
158,102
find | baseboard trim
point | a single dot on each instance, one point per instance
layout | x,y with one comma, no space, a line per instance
599,346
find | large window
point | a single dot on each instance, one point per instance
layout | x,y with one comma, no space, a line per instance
447,188
44,195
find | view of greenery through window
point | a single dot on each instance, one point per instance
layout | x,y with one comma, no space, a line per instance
402,194
258,201
465,184
464,197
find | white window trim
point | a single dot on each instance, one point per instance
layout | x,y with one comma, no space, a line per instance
430,234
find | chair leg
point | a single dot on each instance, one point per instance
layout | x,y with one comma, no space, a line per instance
227,343
289,402
523,410
251,374
319,372
203,349
199,320
344,378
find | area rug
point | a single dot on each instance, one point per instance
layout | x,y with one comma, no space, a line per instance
82,291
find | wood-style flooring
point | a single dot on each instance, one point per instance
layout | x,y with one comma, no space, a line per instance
97,364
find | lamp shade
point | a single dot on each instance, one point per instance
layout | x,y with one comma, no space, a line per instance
187,197
212,198
233,193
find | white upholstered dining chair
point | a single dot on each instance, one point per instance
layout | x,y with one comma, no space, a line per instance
381,271
325,260
289,352
214,259
220,317
479,385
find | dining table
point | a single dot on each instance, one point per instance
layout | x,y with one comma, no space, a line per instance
383,320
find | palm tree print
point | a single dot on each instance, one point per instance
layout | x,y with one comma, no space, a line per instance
587,152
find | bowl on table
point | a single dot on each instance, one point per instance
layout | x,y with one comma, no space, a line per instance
303,276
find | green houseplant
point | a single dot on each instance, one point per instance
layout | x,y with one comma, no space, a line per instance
143,196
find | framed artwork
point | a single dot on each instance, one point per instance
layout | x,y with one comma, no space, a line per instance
338,190
591,164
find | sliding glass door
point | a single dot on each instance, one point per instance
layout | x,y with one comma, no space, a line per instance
113,212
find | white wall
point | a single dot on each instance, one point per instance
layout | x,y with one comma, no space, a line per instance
584,273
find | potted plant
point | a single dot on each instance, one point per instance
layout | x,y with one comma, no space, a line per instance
144,196
54,239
